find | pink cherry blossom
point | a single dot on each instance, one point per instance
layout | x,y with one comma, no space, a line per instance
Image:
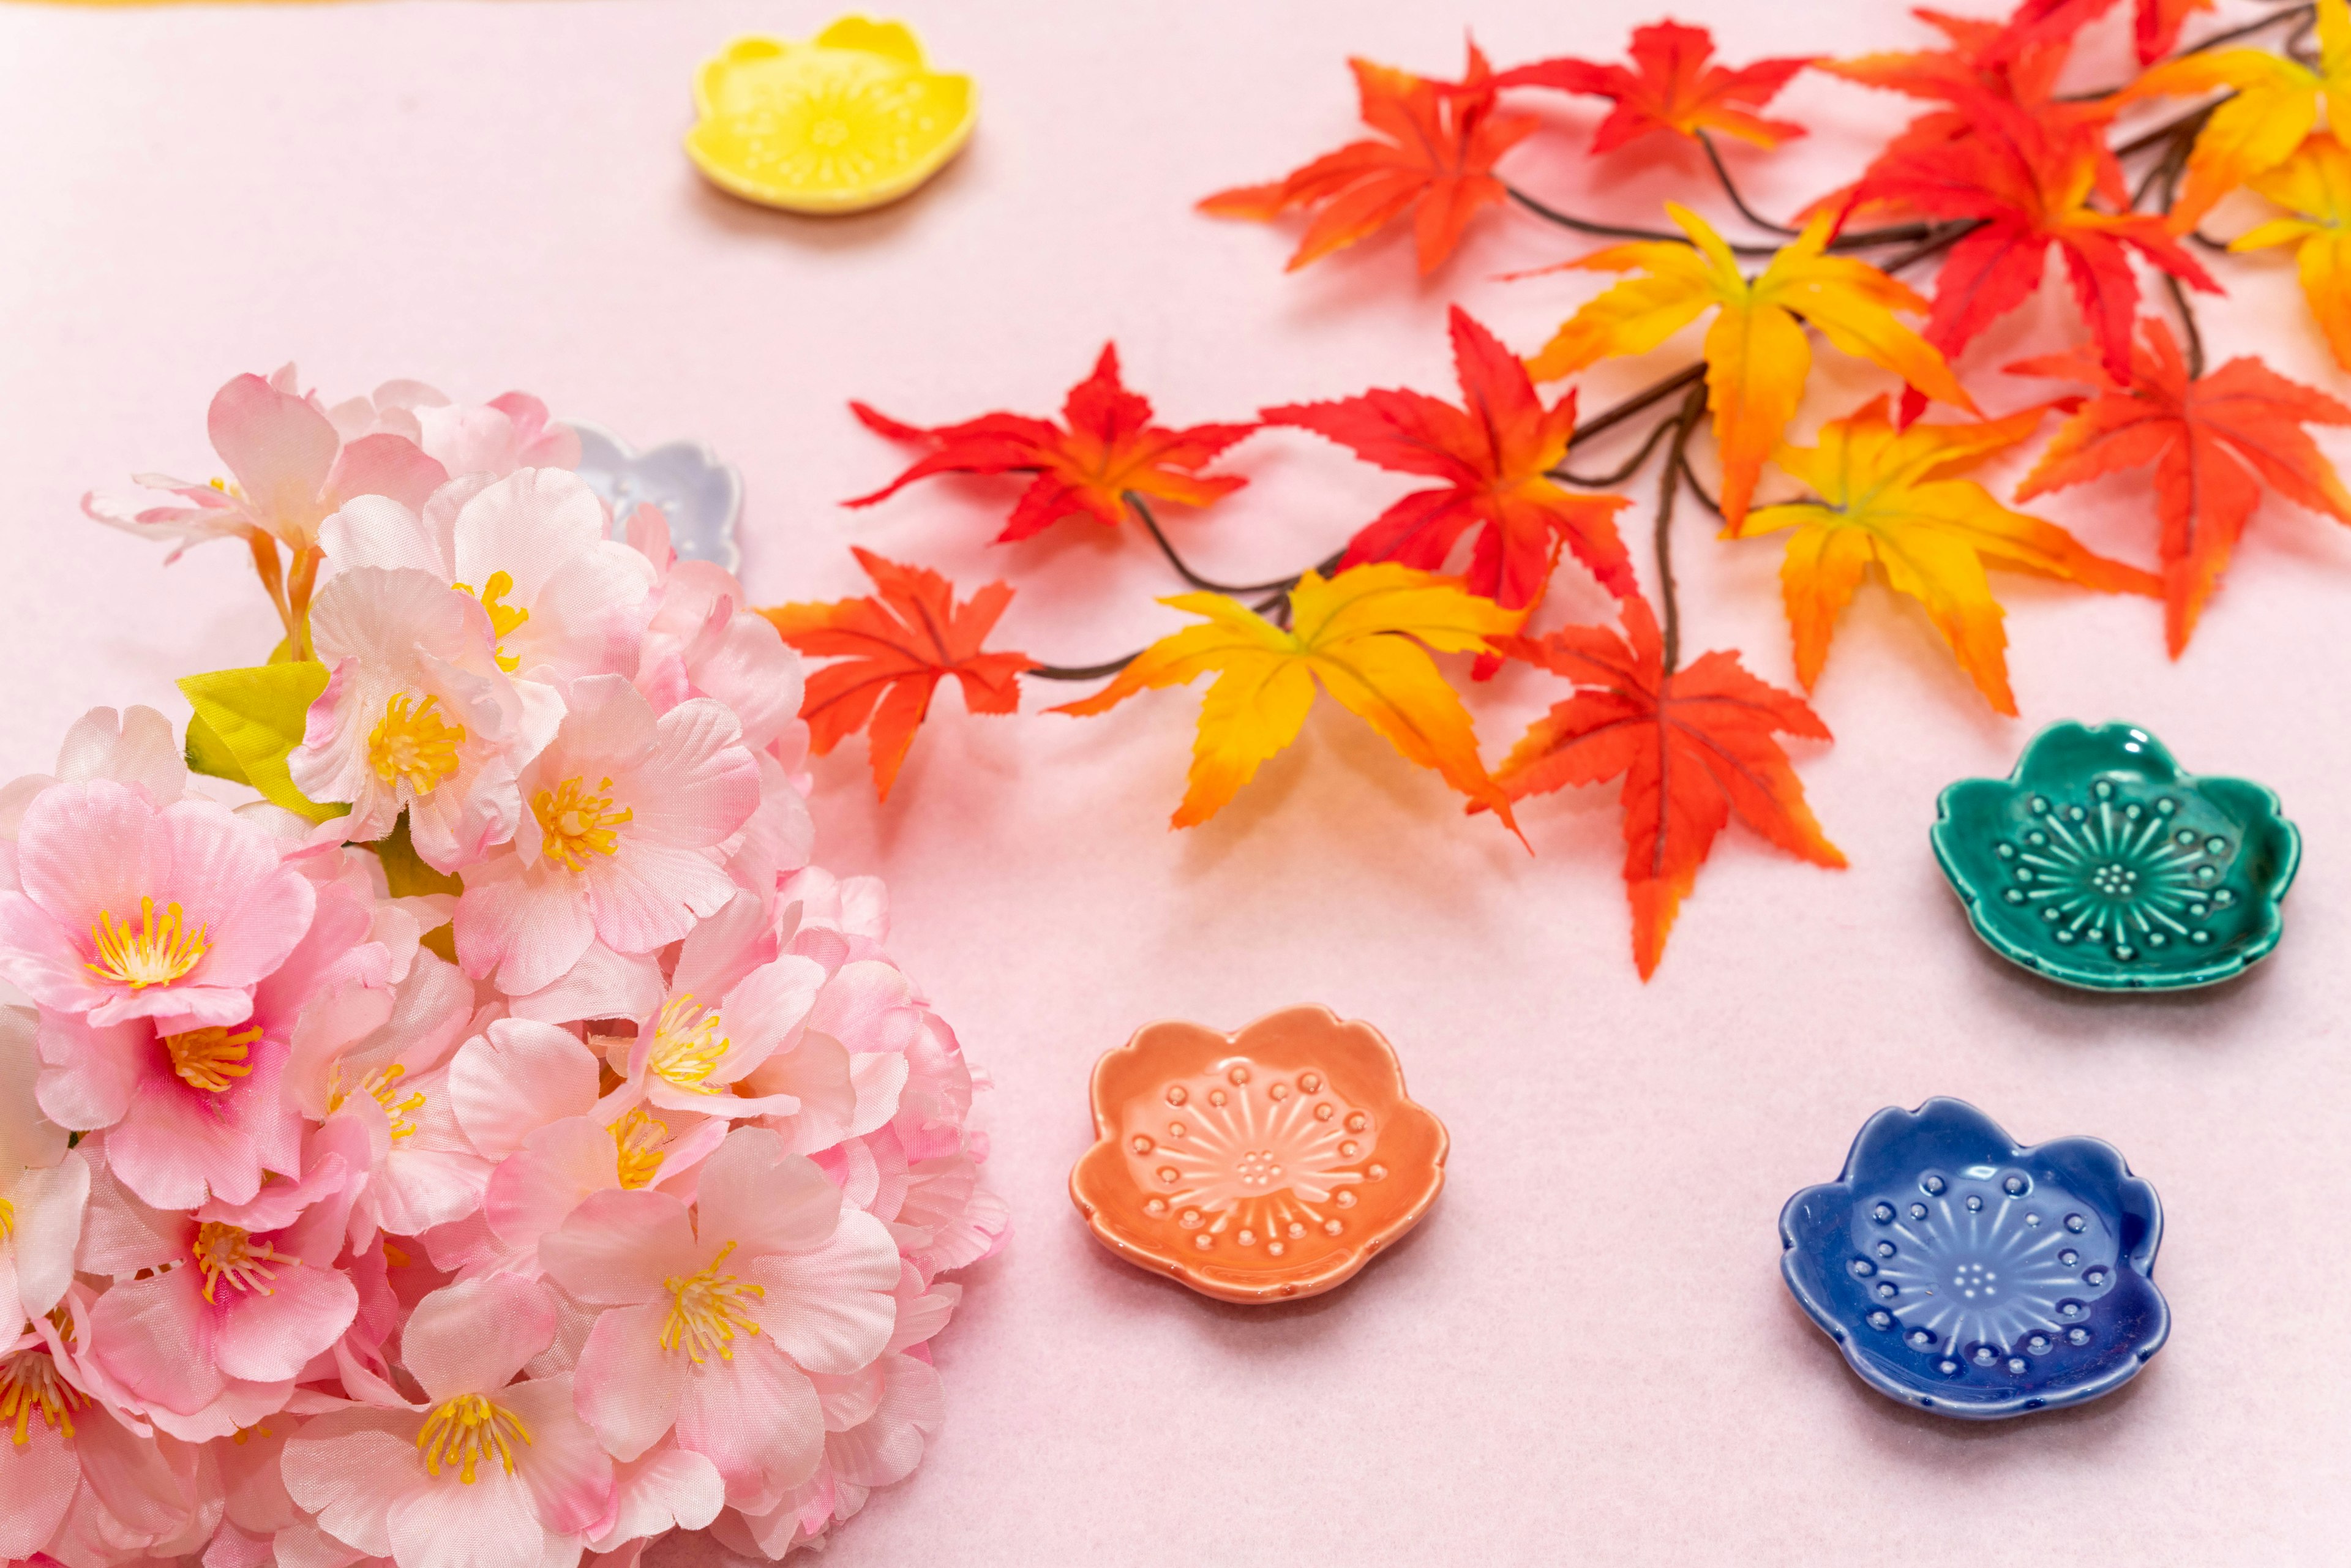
136,747
511,431
240,1298
563,600
129,909
199,1110
418,715
42,1184
877,1424
288,468
714,1316
704,640
626,811
730,1006
488,1473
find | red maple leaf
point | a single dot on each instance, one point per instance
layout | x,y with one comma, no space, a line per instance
2213,441
1105,447
1491,456
1436,165
893,648
1672,88
2155,24
1983,59
2028,186
1693,746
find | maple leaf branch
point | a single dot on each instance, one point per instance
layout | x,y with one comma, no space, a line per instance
1677,463
1615,231
1623,471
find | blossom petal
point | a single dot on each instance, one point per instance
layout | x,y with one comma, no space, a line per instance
472,1337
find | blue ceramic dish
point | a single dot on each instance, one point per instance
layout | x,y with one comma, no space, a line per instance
701,495
1969,1276
2100,862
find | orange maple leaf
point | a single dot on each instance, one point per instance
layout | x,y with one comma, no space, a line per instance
1436,165
1672,88
2213,439
1105,447
1890,496
893,648
1693,746
1491,456
2315,184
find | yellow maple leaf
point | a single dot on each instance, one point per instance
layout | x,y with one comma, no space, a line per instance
1886,495
2316,185
1757,355
2272,105
1364,635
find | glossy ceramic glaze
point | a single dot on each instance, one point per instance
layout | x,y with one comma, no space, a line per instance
1970,1276
1260,1165
849,120
2101,863
700,494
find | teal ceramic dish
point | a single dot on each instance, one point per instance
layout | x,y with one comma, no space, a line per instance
2099,862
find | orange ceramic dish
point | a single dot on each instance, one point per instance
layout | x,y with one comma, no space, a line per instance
1260,1165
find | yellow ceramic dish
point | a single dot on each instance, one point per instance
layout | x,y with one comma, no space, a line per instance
847,120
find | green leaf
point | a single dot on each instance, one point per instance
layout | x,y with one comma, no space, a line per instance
255,717
407,874
207,753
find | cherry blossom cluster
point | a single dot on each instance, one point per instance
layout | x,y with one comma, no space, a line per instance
601,1189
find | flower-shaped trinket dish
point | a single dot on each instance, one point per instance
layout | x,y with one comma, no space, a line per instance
1970,1276
701,495
1256,1167
849,120
2100,863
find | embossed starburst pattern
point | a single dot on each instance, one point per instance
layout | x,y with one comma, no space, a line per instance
2130,876
1245,1158
1984,1270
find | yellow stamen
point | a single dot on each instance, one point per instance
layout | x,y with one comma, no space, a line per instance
393,1258
464,1431
226,1252
62,1320
687,1045
211,1059
8,1215
29,1385
572,822
706,1309
156,954
637,1140
411,742
245,1435
379,1086
504,618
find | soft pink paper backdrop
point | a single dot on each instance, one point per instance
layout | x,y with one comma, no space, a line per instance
1585,1355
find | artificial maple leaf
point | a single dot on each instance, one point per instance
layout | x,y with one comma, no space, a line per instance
1364,635
1672,88
2213,439
1983,59
2026,187
1436,165
2155,24
2272,104
1692,745
2316,185
1887,496
1105,446
894,648
1757,355
1492,456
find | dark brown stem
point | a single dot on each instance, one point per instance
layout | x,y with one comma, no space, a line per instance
1143,515
1623,470
1616,231
1081,672
1693,405
1730,189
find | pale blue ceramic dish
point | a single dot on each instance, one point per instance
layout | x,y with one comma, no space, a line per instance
1964,1274
701,495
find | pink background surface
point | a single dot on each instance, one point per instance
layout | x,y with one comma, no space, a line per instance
1586,1352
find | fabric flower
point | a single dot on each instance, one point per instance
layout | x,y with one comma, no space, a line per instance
626,811
716,1314
877,1425
488,1473
198,1110
130,910
418,715
43,1185
136,747
511,431
702,641
240,1298
563,600
289,470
